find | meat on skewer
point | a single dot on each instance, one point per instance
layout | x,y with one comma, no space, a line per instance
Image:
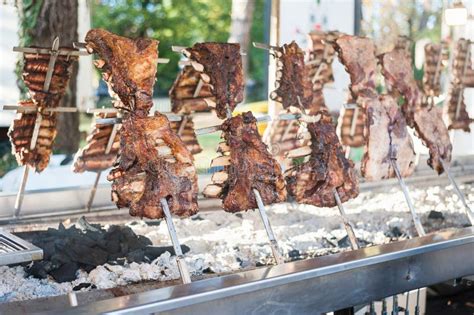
185,131
21,132
220,65
387,139
93,157
183,92
247,165
293,87
435,61
314,181
352,130
128,66
153,164
427,120
35,68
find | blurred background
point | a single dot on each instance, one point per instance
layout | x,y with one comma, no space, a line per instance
185,22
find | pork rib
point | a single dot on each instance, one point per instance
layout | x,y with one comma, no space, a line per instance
314,181
292,84
247,165
93,157
182,93
221,63
128,66
427,120
387,139
153,164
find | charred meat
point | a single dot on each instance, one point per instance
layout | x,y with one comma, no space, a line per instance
128,66
247,165
153,164
327,170
221,64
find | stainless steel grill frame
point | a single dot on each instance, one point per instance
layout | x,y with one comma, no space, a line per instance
14,250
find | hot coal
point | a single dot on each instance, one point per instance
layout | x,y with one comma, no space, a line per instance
85,246
436,215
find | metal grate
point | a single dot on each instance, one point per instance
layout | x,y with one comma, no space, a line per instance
14,250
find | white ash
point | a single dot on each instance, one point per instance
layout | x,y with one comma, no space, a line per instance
224,242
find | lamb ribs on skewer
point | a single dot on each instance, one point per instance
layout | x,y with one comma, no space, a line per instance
352,133
35,68
247,165
128,66
314,181
427,120
185,131
154,163
436,57
455,110
93,157
220,66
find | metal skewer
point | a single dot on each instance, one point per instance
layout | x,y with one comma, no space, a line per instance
347,224
183,268
395,305
80,45
407,304
461,196
110,143
268,228
119,120
28,109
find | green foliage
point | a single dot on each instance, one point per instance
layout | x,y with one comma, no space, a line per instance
257,57
172,22
7,160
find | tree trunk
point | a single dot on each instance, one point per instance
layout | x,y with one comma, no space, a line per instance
242,13
59,18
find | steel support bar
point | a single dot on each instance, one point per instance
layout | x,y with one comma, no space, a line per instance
311,286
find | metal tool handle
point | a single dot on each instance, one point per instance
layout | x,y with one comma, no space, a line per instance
268,228
183,268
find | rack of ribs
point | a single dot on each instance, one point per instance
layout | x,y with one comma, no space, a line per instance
128,66
352,131
187,96
292,84
327,169
35,67
93,156
436,56
153,164
21,132
427,120
220,66
387,137
247,165
455,110
185,130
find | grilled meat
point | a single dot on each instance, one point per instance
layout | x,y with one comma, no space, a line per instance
185,131
21,133
314,181
427,120
97,155
183,96
247,165
436,57
153,164
455,110
387,139
128,66
221,64
352,130
357,55
292,84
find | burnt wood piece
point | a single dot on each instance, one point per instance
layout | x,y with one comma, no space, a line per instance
248,166
21,132
153,164
128,66
182,92
222,63
387,138
93,157
314,181
292,84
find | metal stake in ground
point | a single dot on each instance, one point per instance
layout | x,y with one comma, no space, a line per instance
416,220
183,268
347,224
110,143
469,212
268,228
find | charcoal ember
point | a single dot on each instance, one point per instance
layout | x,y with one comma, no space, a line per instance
436,215
65,273
84,285
39,269
294,253
153,252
